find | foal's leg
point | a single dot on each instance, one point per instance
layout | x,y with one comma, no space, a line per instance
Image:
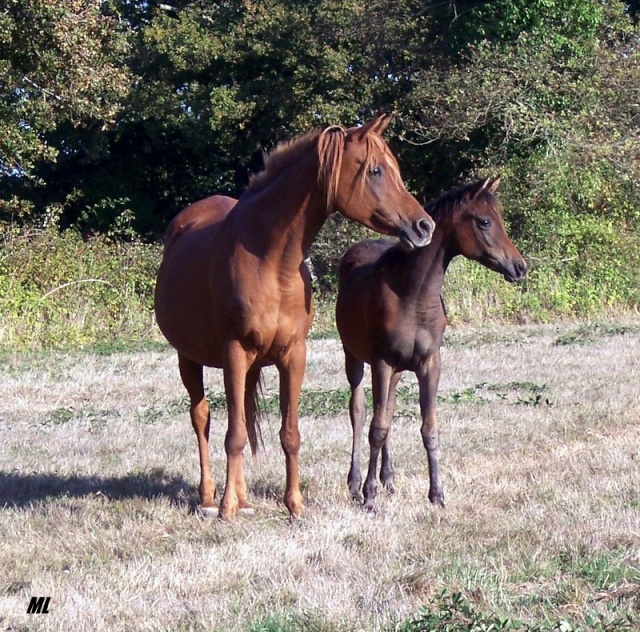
291,369
357,412
237,363
386,467
191,374
381,374
428,379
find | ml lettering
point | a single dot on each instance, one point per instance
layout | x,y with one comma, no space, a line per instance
39,605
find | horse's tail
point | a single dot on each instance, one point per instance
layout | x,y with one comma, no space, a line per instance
254,412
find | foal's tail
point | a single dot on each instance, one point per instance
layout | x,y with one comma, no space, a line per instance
254,413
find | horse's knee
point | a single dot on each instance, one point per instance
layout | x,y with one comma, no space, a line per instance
430,441
377,436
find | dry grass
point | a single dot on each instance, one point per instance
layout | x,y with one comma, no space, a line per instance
540,461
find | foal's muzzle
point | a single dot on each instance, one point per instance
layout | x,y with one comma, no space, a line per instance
518,271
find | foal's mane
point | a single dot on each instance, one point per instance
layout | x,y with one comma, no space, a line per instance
329,143
452,200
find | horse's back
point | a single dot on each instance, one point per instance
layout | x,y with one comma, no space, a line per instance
207,212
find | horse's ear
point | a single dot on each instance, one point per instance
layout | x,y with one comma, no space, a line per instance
377,126
478,188
493,185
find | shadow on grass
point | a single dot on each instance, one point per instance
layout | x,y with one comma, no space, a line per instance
22,490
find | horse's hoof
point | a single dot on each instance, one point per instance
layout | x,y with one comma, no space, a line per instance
356,497
208,513
437,499
293,502
245,509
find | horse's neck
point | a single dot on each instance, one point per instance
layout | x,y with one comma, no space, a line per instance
286,216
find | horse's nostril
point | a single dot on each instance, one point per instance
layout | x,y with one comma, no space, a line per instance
424,227
521,268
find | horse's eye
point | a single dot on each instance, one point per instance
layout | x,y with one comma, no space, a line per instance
484,223
376,171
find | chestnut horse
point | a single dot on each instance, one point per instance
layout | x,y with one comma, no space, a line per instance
390,315
233,291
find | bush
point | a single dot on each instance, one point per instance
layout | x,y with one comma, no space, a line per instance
58,290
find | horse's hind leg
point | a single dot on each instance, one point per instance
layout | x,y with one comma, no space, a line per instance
357,411
386,467
191,374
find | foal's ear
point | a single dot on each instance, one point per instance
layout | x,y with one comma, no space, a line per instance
377,126
478,188
493,185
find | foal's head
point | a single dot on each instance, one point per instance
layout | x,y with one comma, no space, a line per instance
365,183
472,219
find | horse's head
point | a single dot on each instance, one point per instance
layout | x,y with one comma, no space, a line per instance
480,232
368,187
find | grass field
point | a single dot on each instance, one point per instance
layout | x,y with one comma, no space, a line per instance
540,461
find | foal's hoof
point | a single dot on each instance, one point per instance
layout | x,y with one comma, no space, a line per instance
389,486
208,513
356,496
437,499
370,509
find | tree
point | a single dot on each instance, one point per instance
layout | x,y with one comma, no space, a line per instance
61,66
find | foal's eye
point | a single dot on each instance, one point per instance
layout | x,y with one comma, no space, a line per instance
376,171
484,223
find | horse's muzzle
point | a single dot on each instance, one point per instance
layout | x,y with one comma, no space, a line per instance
419,235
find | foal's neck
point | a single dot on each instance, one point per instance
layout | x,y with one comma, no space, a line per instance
429,267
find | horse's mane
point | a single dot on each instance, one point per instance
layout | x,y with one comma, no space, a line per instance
285,154
450,201
329,144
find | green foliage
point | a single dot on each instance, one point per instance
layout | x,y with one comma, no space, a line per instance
117,114
294,622
58,290
61,64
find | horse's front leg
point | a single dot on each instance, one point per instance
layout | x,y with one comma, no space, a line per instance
386,466
381,374
428,379
237,364
291,368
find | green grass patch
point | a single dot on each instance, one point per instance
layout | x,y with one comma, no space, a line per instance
590,332
453,612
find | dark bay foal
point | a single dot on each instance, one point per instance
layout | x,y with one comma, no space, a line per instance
390,315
